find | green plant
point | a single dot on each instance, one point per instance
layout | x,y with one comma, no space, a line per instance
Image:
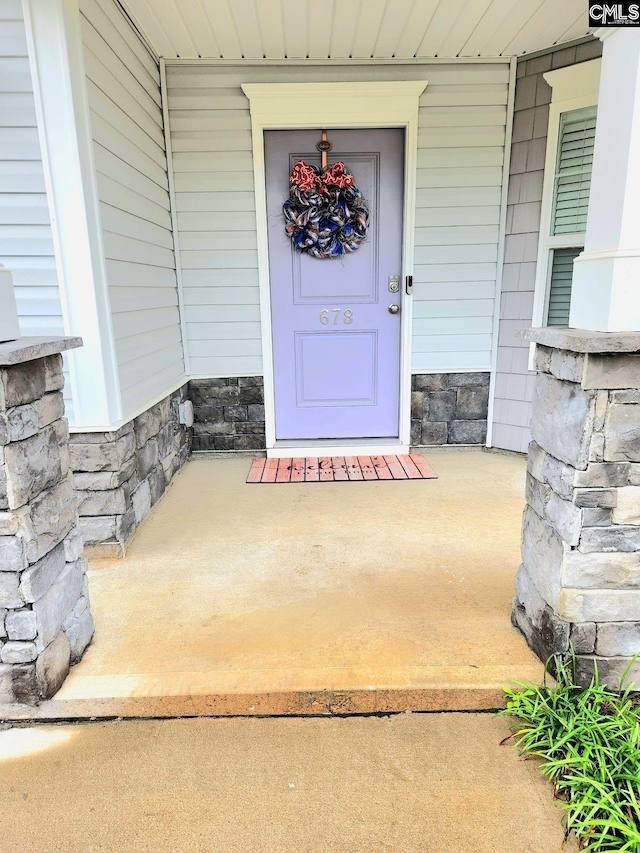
589,739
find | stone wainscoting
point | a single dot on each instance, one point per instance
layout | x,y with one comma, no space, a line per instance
118,476
446,408
229,413
45,618
579,583
449,408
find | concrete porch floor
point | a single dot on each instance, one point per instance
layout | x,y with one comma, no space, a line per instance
309,598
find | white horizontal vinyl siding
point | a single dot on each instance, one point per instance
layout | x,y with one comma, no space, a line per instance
26,244
460,156
123,82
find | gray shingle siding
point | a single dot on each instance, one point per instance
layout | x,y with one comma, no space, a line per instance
514,381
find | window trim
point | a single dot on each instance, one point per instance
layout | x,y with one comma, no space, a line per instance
573,88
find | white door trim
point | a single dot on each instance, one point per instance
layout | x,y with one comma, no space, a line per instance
292,106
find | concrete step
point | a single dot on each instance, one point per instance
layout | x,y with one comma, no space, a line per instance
464,688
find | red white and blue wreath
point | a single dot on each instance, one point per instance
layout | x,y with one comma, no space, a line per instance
326,215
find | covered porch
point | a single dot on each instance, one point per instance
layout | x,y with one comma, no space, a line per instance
139,221
318,598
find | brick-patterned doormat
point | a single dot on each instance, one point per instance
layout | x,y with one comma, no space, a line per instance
325,468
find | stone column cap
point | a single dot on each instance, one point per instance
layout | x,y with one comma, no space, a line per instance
31,348
583,340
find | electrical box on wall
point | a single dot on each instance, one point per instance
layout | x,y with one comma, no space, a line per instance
9,326
185,412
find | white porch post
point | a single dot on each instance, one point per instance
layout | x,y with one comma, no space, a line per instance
57,68
606,280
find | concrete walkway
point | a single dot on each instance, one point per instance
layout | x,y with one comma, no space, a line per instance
437,783
310,598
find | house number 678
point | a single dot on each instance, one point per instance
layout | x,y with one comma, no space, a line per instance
347,316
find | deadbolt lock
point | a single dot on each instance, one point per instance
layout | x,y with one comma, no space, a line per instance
394,283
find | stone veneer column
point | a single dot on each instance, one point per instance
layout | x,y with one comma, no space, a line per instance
579,582
45,620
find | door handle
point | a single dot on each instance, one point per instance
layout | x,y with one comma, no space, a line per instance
393,308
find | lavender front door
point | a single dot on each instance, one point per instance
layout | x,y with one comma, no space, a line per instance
336,344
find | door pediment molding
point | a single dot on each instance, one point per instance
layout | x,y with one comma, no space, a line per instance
352,104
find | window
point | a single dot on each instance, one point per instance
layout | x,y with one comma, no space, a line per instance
567,179
560,286
573,171
572,180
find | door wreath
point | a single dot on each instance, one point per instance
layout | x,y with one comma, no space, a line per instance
326,215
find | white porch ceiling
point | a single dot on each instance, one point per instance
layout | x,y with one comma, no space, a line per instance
356,29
